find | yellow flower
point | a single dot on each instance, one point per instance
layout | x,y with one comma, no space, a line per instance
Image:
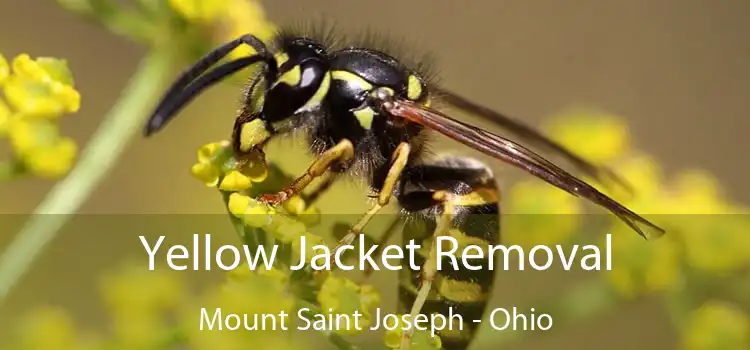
540,214
200,11
289,230
712,231
716,243
697,192
253,165
295,205
44,69
43,151
310,216
207,152
37,92
138,301
53,161
278,277
717,325
339,295
250,211
421,339
640,266
256,293
138,330
215,162
48,328
6,116
235,181
41,88
210,159
244,17
232,17
644,174
4,69
206,173
311,240
27,135
238,203
135,289
596,136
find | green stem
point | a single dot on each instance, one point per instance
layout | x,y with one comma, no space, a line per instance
118,128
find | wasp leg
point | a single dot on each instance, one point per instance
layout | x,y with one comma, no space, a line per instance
455,198
429,268
341,152
381,242
398,163
314,195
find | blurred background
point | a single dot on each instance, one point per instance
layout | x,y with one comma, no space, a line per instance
675,71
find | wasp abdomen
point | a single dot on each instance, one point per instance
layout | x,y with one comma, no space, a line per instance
464,190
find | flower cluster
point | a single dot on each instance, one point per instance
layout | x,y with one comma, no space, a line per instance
339,295
323,291
421,339
37,92
231,18
143,306
190,27
717,325
706,234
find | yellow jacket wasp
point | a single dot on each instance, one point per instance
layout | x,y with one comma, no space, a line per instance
366,114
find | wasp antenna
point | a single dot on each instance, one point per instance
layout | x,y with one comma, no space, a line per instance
170,107
190,82
649,232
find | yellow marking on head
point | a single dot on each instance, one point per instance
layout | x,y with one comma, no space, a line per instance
484,195
320,94
291,77
413,88
252,134
281,58
460,291
365,117
351,78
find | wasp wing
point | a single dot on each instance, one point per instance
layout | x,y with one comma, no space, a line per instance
527,133
517,155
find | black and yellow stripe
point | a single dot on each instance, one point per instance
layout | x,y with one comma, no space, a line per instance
472,201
